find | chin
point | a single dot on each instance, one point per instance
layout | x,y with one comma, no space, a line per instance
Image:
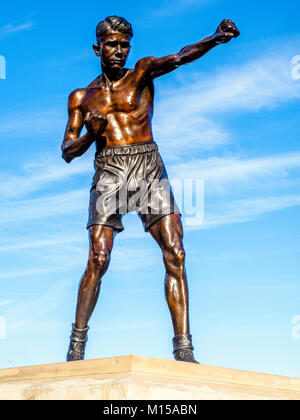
117,66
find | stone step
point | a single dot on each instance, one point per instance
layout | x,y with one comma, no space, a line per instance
142,378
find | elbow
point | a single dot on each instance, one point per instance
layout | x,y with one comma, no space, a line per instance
66,159
66,156
179,60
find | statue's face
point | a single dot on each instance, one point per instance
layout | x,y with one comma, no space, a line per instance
113,49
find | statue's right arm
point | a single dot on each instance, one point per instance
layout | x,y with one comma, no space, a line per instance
74,146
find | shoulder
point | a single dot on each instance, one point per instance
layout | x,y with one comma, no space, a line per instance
144,64
76,97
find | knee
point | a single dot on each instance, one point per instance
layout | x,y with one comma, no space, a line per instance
175,256
99,258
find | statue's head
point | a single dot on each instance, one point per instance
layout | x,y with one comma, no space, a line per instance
113,41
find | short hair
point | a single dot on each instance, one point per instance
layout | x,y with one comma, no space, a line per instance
114,23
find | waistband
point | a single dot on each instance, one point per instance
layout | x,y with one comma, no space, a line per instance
131,149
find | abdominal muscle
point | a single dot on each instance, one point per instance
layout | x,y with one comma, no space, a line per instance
124,129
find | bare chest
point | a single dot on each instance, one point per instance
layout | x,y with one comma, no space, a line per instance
122,97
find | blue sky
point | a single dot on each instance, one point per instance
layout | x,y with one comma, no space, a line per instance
231,118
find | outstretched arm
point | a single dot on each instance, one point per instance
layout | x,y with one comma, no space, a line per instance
159,66
74,146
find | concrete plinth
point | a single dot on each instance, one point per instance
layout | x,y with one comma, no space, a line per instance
141,378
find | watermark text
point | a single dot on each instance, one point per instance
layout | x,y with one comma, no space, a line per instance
296,67
296,328
2,67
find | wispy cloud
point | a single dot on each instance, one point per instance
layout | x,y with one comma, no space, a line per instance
265,82
183,134
190,112
5,302
68,203
22,244
220,173
10,28
30,272
254,180
48,122
38,175
35,305
240,211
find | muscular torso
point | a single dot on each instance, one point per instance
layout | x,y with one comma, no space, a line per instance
127,104
124,107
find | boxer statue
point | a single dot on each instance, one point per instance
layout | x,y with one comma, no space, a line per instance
116,109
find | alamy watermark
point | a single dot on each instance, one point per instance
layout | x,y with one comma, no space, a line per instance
2,328
2,67
189,195
152,197
296,67
296,328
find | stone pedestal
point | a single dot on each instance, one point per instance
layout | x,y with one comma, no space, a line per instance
141,378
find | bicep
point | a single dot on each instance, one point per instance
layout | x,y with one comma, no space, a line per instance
74,125
164,65
76,121
153,67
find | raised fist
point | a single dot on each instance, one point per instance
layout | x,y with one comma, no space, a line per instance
226,31
95,122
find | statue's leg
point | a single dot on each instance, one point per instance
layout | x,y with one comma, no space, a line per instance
96,298
101,243
168,233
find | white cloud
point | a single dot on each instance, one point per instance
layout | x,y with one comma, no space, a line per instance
18,324
28,272
219,172
39,174
265,184
10,28
5,302
68,203
185,134
241,211
263,83
187,117
33,124
35,305
21,243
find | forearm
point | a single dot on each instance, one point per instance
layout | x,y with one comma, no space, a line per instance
197,50
156,67
72,148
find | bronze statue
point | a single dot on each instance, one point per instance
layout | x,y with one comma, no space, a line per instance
117,109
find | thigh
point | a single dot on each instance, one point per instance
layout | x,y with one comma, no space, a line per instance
168,232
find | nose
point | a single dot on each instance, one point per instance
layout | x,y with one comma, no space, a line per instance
119,52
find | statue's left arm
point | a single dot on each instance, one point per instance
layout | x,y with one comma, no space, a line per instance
156,67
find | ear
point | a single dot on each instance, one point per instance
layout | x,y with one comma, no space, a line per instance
96,48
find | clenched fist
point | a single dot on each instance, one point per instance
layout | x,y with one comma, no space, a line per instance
226,31
95,123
